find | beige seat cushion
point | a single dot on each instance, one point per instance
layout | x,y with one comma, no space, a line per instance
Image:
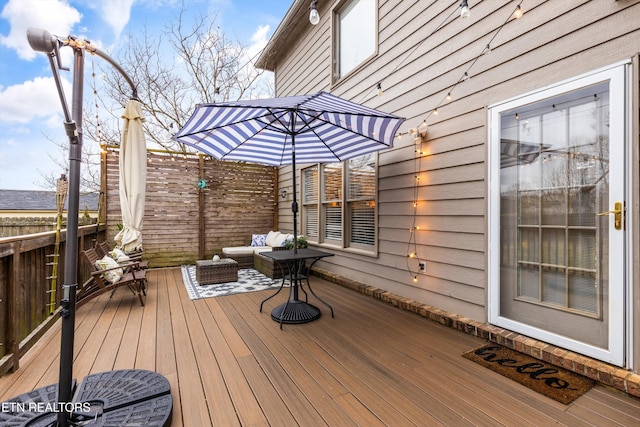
238,250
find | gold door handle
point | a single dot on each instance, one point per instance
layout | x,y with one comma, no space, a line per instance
617,215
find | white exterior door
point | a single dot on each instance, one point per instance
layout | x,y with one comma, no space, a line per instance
557,235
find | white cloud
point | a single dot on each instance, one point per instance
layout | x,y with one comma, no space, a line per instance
55,16
32,99
116,13
258,40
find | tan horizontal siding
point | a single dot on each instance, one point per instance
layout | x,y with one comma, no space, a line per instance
417,66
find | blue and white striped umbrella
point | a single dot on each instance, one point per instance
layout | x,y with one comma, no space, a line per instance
323,127
318,128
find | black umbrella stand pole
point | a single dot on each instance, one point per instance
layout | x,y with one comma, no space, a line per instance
123,397
295,310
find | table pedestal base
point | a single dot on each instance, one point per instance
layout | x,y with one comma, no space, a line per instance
295,312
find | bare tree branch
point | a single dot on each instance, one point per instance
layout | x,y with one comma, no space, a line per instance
191,62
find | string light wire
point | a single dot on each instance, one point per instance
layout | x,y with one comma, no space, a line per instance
466,75
412,244
412,51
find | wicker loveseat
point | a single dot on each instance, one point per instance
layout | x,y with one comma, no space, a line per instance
249,256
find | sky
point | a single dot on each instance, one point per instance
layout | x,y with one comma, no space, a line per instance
31,117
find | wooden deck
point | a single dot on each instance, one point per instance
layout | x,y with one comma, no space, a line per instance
373,364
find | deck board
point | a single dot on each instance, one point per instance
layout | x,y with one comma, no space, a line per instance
373,364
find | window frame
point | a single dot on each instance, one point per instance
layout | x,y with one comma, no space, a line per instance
336,76
345,208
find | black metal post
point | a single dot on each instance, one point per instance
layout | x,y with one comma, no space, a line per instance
68,313
294,203
141,385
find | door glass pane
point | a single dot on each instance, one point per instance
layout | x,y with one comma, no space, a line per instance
582,205
554,173
583,291
529,207
554,207
529,245
553,246
554,286
582,249
529,282
554,168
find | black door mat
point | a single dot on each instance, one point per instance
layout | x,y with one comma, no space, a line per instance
552,381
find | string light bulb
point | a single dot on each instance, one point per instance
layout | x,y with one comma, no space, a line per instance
314,16
436,112
518,12
380,91
422,129
465,12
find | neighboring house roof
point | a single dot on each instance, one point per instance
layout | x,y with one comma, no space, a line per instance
30,200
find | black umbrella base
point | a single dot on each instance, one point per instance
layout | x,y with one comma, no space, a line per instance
115,398
295,312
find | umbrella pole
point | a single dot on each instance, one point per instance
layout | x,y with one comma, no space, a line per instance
68,312
294,203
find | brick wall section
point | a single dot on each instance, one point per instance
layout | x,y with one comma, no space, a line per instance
604,373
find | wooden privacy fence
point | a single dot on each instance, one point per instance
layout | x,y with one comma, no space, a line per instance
20,226
182,222
25,284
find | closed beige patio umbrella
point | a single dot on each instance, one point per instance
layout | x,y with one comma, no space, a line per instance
133,178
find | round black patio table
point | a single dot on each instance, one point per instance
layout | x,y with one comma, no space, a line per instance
294,310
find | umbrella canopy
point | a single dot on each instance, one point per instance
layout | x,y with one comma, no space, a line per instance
316,128
326,129
133,175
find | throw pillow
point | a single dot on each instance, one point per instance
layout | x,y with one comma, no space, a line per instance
282,239
258,239
116,253
123,259
271,237
108,263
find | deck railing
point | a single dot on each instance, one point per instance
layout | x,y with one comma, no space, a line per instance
26,268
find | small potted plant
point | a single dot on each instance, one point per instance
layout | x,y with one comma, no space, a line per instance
302,243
